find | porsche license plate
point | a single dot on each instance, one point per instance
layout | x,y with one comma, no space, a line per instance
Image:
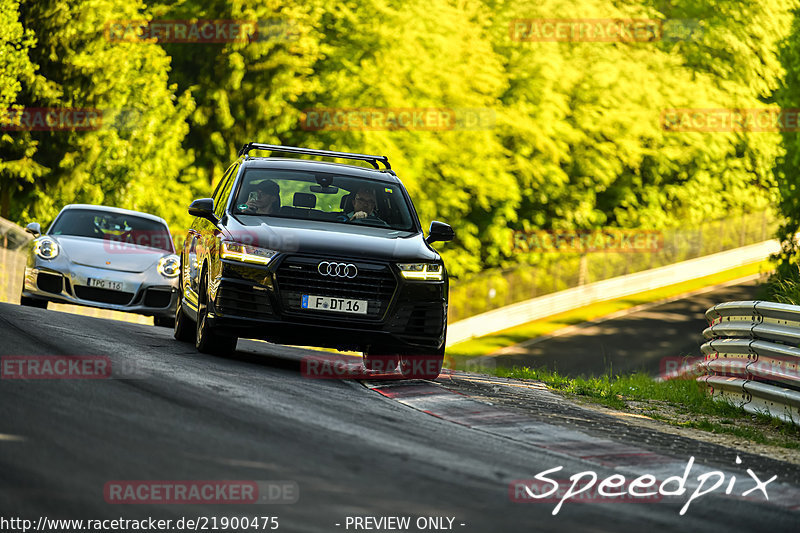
105,284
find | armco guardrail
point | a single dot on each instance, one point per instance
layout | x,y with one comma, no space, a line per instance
752,357
609,289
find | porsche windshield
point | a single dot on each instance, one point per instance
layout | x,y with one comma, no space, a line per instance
112,226
323,197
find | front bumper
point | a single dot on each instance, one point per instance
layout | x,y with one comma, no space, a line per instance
142,292
249,303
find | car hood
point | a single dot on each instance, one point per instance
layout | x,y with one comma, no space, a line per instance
341,240
112,255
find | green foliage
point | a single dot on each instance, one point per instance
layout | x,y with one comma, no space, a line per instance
137,149
429,54
682,402
14,44
16,69
246,89
590,150
573,137
784,284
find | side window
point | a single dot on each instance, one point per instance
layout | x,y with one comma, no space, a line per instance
223,190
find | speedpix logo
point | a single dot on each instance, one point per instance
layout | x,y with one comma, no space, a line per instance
617,488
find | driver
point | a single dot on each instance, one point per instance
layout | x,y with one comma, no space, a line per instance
264,199
364,205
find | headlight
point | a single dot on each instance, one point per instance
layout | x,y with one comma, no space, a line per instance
46,248
422,271
246,253
169,266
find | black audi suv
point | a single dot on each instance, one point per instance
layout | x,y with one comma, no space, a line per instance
312,253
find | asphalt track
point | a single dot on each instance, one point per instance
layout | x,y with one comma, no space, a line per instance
650,340
450,448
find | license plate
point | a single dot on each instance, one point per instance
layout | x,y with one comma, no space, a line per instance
105,284
338,305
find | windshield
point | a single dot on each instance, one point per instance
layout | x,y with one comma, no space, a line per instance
323,197
114,227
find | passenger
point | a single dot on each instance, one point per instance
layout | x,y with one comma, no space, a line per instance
264,199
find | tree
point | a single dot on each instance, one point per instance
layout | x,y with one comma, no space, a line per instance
427,55
16,68
786,171
246,89
133,156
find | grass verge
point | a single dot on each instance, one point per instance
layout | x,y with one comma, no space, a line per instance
679,402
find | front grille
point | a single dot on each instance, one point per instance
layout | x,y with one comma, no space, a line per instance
243,300
105,296
50,282
374,283
157,298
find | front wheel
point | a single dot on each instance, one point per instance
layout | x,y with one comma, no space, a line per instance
207,340
184,327
30,302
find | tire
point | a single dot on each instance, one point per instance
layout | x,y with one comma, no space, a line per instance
164,321
427,366
32,302
183,326
206,339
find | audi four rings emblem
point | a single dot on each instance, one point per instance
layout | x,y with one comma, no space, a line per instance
341,270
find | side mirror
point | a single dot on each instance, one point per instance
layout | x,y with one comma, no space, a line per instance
440,231
34,229
204,208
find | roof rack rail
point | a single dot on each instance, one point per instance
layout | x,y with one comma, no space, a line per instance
372,159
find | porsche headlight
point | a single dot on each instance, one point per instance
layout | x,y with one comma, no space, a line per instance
46,248
246,253
422,271
169,266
